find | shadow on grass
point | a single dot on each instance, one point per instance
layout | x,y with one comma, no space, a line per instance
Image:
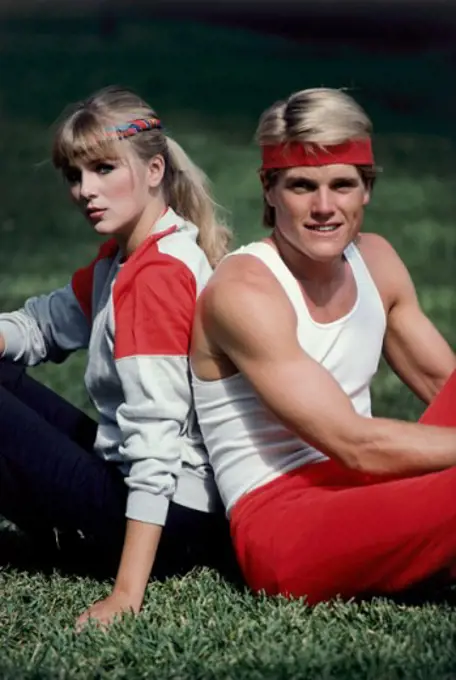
435,594
42,555
20,553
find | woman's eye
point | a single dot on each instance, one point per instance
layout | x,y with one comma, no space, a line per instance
104,168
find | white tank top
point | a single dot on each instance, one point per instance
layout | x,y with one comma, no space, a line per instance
247,446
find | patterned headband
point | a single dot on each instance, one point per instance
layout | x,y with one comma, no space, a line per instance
133,127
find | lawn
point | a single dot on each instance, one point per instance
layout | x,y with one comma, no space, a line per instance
209,86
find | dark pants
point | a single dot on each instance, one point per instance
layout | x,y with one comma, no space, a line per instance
52,484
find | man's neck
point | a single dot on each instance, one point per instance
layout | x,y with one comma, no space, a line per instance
303,268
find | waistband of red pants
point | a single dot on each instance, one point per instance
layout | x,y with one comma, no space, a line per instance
326,474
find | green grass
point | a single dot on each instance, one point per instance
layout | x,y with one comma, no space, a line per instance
198,628
210,86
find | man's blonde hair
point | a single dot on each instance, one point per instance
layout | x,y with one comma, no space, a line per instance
321,116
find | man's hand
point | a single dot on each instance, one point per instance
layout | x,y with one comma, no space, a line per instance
106,611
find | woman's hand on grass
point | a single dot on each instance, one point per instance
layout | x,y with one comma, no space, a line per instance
106,611
138,555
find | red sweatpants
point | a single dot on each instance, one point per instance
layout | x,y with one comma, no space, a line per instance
323,530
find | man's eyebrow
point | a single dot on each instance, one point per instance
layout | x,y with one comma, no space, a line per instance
345,180
292,181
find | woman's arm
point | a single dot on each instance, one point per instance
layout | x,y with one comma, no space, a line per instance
50,327
138,557
46,328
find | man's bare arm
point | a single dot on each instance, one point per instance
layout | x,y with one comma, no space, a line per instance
248,316
417,352
413,347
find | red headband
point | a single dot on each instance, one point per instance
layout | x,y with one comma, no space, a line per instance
296,154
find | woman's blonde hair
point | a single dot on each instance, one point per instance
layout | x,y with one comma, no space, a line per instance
81,136
321,116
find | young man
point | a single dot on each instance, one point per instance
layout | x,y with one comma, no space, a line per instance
323,498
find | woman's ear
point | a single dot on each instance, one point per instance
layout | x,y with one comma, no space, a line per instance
155,171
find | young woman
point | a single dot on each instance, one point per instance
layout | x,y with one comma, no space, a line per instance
137,485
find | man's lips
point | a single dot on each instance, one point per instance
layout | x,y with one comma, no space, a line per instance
328,227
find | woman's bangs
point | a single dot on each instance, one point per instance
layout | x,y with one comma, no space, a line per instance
83,139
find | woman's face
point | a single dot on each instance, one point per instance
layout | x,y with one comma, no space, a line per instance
113,194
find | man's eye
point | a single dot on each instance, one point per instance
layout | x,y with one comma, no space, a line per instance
344,186
302,187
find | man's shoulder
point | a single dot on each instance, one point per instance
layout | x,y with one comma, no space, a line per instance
241,290
242,273
380,256
386,267
371,243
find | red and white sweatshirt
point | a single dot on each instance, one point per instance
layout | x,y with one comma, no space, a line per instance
135,320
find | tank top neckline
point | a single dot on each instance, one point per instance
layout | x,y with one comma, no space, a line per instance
289,279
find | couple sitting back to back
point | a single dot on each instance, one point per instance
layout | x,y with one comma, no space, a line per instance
257,374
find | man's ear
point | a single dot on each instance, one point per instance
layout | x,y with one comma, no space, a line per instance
367,195
267,189
155,171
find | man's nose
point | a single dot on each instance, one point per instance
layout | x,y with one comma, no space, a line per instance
323,203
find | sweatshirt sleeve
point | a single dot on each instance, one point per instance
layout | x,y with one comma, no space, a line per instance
153,318
50,327
46,328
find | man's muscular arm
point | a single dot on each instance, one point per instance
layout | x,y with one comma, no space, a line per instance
413,347
247,315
